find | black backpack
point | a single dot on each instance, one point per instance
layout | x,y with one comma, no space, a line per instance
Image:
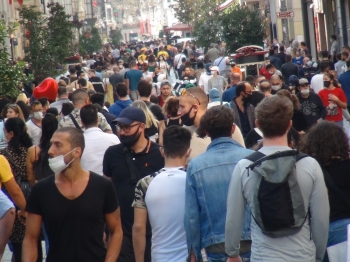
278,206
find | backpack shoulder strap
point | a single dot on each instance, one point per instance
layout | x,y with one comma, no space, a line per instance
255,156
75,122
301,156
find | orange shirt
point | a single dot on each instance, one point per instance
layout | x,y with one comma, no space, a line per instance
236,69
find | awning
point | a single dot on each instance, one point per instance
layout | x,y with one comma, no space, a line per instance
178,27
225,5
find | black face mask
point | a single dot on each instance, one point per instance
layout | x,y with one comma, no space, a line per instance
247,99
130,140
326,84
186,120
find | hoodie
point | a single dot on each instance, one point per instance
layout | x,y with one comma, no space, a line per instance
119,106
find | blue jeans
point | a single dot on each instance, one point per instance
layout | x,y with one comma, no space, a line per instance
212,257
337,233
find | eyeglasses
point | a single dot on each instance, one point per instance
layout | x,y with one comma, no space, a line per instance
126,129
184,92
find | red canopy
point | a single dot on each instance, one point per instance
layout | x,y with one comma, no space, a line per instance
179,27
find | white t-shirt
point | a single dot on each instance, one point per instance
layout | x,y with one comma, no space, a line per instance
96,144
165,201
34,132
177,59
216,103
204,80
317,83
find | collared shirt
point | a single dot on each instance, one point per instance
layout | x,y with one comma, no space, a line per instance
67,121
96,144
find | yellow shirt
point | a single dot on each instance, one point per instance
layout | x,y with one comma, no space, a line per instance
5,170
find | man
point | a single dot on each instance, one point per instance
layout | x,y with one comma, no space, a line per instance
165,92
122,102
115,79
98,98
96,81
74,85
207,180
96,141
45,104
243,110
90,61
231,91
116,54
281,54
178,61
298,59
215,98
212,53
274,60
193,103
75,205
268,71
304,48
289,69
126,163
307,71
274,116
220,62
317,80
334,48
153,194
34,124
276,43
204,78
344,80
62,98
235,69
80,98
185,79
72,75
340,64
132,78
325,58
227,70
277,84
217,81
310,104
265,87
144,89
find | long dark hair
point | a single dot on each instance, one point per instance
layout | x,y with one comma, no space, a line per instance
20,136
49,127
326,142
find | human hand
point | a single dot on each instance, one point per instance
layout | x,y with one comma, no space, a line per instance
234,259
22,215
333,98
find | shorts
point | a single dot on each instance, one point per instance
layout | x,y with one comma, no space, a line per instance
5,204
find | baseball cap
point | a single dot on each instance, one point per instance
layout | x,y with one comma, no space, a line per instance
190,85
130,115
303,81
215,68
214,95
293,79
207,67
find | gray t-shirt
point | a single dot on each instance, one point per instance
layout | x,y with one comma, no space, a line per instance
218,82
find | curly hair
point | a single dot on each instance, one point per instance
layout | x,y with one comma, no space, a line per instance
325,142
171,106
293,98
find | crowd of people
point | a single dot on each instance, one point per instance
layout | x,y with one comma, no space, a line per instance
120,163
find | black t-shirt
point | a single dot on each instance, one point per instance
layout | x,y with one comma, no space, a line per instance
115,166
97,83
339,171
74,227
156,110
115,79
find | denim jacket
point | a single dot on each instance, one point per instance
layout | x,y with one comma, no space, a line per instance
207,183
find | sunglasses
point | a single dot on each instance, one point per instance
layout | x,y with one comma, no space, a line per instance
184,92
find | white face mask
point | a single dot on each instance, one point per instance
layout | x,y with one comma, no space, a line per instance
38,115
57,163
297,57
276,87
305,91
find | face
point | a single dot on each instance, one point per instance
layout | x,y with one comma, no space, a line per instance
259,79
248,90
37,108
82,75
185,104
275,82
166,90
11,113
297,54
60,145
128,130
157,70
187,71
326,78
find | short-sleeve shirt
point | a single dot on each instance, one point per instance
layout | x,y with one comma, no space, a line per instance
333,111
5,170
34,131
74,227
67,121
134,77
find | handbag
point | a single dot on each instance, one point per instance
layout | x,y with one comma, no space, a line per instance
22,183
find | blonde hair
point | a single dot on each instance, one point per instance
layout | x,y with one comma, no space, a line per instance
18,110
150,119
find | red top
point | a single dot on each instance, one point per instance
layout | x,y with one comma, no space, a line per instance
265,73
160,101
334,112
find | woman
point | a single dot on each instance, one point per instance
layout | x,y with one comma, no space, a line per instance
298,118
13,110
328,144
16,154
163,65
108,87
37,156
151,123
151,63
333,98
7,209
170,108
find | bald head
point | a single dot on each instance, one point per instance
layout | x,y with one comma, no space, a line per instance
235,78
116,69
275,77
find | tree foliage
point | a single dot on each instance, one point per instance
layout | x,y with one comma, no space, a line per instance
90,41
49,39
11,75
207,31
115,36
242,26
